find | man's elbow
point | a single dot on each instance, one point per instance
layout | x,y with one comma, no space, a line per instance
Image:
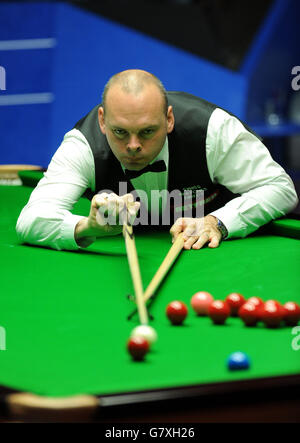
292,200
296,202
21,229
43,229
27,228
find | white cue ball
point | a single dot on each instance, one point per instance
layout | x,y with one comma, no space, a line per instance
145,331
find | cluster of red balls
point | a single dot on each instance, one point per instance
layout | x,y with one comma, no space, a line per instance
251,311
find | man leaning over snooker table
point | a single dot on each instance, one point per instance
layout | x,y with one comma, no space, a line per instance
198,146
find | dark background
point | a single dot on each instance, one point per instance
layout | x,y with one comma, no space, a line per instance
217,30
221,31
235,53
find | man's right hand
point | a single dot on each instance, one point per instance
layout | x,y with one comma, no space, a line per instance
106,217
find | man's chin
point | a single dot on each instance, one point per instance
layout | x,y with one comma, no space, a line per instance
134,166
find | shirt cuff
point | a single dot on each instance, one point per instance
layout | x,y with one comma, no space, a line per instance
231,220
68,226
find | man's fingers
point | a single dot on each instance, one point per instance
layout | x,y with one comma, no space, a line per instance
113,203
100,199
190,230
201,241
128,209
177,228
128,199
107,208
189,242
214,242
132,211
196,232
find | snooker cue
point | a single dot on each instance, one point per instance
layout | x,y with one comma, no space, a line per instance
135,272
162,271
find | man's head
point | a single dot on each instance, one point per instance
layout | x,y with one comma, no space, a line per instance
135,117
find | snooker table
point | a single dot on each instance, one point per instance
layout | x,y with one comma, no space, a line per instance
64,329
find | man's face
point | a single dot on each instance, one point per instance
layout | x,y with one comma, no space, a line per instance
135,125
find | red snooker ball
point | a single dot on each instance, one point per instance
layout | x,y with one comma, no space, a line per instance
272,314
256,301
235,301
219,311
273,302
176,312
278,305
249,313
138,347
292,313
201,301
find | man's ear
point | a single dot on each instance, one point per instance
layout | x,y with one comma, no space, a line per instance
170,119
101,120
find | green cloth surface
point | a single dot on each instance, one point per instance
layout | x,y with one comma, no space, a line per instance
30,178
287,227
65,313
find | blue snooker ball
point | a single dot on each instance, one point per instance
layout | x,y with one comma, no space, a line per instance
238,361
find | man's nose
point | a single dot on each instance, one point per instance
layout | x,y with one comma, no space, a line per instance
134,144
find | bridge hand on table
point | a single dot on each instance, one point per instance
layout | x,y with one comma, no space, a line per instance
107,214
110,211
197,232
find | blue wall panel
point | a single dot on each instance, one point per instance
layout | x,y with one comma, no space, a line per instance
26,20
25,138
89,50
27,70
25,128
271,60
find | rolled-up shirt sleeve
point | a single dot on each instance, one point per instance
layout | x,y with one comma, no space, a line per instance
47,219
238,160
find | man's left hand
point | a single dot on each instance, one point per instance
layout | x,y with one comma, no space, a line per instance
197,232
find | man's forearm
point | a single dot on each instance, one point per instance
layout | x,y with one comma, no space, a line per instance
244,215
42,225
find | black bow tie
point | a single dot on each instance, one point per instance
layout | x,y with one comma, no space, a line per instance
159,166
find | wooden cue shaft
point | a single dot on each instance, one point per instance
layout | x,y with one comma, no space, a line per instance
135,272
169,259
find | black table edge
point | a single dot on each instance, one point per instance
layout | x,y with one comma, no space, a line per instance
247,391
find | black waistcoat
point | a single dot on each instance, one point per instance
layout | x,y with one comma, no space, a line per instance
187,153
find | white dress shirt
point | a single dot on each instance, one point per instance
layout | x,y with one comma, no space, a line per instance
236,159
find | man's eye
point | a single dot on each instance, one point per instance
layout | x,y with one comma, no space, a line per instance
119,132
147,132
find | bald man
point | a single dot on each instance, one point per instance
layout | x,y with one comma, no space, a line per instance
143,141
